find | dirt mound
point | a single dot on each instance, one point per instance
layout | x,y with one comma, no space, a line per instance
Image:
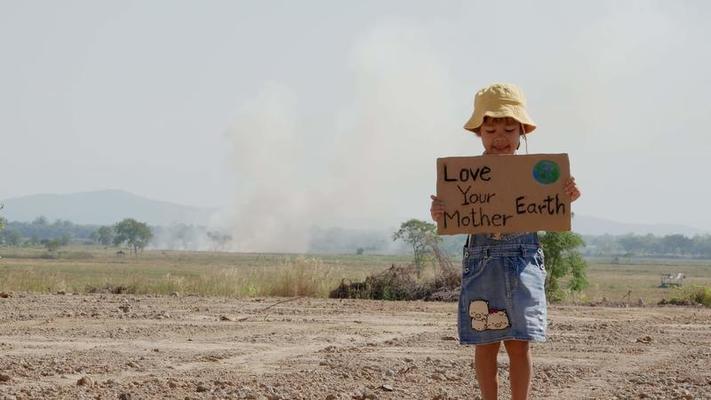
399,282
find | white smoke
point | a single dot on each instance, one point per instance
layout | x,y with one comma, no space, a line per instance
271,210
380,161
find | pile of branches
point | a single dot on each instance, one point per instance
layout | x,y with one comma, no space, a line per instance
400,283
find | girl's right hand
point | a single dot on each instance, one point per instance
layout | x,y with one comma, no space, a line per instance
437,208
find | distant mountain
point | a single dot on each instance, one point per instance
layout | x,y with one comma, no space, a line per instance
101,208
587,225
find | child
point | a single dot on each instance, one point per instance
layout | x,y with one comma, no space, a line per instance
502,296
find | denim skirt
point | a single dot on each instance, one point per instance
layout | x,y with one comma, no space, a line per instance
502,295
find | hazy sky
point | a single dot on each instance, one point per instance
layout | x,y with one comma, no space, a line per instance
334,112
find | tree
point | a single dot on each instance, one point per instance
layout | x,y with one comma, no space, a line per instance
52,245
105,235
420,235
702,245
561,259
135,234
677,244
11,237
41,220
632,244
219,239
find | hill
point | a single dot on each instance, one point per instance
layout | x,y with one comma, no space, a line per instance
101,208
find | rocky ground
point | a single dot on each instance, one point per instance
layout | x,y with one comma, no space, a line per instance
106,346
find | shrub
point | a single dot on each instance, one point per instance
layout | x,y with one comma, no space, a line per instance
692,295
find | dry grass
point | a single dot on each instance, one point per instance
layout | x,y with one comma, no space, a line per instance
641,279
86,269
200,273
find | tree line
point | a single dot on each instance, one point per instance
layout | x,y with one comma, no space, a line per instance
677,245
33,233
129,232
187,237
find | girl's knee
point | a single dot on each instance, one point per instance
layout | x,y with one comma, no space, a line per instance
517,348
487,350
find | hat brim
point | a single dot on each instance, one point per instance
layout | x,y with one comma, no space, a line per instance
513,111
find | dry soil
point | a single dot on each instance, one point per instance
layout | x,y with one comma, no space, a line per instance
106,346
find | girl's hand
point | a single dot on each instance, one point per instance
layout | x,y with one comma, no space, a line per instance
572,189
437,208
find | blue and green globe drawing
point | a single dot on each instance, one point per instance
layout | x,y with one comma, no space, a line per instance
546,172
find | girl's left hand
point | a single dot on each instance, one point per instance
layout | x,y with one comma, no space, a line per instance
572,189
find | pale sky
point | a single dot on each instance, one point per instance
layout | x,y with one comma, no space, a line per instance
334,112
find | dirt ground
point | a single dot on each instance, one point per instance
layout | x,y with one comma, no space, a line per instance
106,346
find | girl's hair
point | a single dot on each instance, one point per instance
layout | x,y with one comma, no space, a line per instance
508,120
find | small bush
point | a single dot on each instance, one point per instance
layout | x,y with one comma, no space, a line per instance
558,295
690,296
702,295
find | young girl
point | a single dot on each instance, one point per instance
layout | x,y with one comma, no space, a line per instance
502,296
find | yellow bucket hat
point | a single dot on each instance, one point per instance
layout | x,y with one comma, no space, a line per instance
500,100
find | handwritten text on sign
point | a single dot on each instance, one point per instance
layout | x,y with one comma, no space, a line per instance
503,194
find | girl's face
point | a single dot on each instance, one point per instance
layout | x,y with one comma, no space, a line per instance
500,135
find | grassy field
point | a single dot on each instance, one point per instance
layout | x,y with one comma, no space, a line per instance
641,278
87,269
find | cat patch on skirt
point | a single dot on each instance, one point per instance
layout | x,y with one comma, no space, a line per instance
485,318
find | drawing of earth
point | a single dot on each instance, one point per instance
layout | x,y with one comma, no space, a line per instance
546,172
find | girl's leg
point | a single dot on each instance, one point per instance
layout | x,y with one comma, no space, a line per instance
520,368
486,372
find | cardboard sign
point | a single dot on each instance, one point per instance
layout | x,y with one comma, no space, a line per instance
503,193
